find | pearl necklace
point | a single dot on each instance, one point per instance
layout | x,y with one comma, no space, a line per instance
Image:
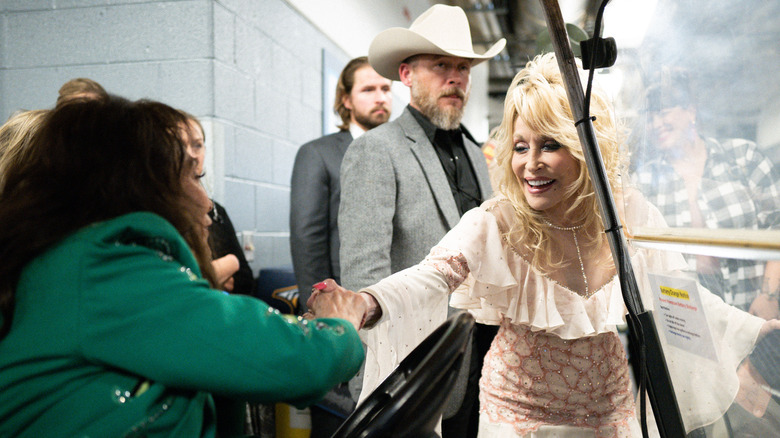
576,244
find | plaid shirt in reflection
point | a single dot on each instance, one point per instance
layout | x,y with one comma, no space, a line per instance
739,189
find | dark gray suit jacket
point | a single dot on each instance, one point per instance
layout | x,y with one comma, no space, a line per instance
314,207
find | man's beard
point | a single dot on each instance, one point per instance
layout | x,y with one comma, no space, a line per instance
446,118
372,119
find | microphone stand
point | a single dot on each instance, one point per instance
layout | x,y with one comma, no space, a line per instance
642,329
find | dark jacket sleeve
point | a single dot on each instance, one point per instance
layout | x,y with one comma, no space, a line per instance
309,225
223,241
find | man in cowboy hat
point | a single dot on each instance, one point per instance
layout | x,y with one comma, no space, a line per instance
406,183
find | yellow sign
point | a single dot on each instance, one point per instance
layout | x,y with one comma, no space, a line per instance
675,293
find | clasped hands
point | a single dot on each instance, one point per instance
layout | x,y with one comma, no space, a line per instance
329,300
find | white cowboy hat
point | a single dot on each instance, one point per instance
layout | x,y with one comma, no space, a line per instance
441,30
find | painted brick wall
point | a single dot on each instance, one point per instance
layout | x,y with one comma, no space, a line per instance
250,69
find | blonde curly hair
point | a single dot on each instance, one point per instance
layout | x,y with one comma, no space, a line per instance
538,96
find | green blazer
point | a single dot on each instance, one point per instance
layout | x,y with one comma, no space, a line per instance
116,334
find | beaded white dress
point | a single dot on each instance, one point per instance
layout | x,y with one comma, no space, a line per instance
557,366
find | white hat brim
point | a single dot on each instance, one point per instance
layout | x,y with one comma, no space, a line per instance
390,47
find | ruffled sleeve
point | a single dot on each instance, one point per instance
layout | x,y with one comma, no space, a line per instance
488,289
503,284
413,303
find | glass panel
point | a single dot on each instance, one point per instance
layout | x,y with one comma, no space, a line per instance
696,83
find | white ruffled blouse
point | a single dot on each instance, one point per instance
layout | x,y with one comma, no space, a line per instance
486,276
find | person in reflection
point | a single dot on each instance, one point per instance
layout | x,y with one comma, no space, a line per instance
702,182
756,410
535,260
111,323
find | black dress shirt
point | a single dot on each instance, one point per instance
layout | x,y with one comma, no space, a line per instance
223,241
452,155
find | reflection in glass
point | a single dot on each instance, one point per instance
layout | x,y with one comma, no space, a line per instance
701,100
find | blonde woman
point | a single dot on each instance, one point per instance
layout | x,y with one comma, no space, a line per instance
535,261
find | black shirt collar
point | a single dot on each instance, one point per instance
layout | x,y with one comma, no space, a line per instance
428,127
450,149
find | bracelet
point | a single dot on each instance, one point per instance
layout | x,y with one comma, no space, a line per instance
373,312
774,295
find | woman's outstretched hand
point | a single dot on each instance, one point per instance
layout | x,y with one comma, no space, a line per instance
329,300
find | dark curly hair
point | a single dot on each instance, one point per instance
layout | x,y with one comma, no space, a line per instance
93,160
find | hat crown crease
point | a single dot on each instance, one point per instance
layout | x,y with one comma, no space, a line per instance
446,27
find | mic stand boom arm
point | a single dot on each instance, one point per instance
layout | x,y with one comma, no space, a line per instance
642,326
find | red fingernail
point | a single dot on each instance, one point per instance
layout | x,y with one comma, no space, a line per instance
320,286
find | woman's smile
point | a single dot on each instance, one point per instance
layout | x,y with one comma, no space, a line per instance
544,167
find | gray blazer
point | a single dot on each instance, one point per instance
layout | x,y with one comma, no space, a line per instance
396,202
314,207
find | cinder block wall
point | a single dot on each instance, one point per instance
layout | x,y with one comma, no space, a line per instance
250,69
161,50
267,101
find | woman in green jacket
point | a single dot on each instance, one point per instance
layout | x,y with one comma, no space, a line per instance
110,325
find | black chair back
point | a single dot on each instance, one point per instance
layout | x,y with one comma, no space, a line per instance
410,401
